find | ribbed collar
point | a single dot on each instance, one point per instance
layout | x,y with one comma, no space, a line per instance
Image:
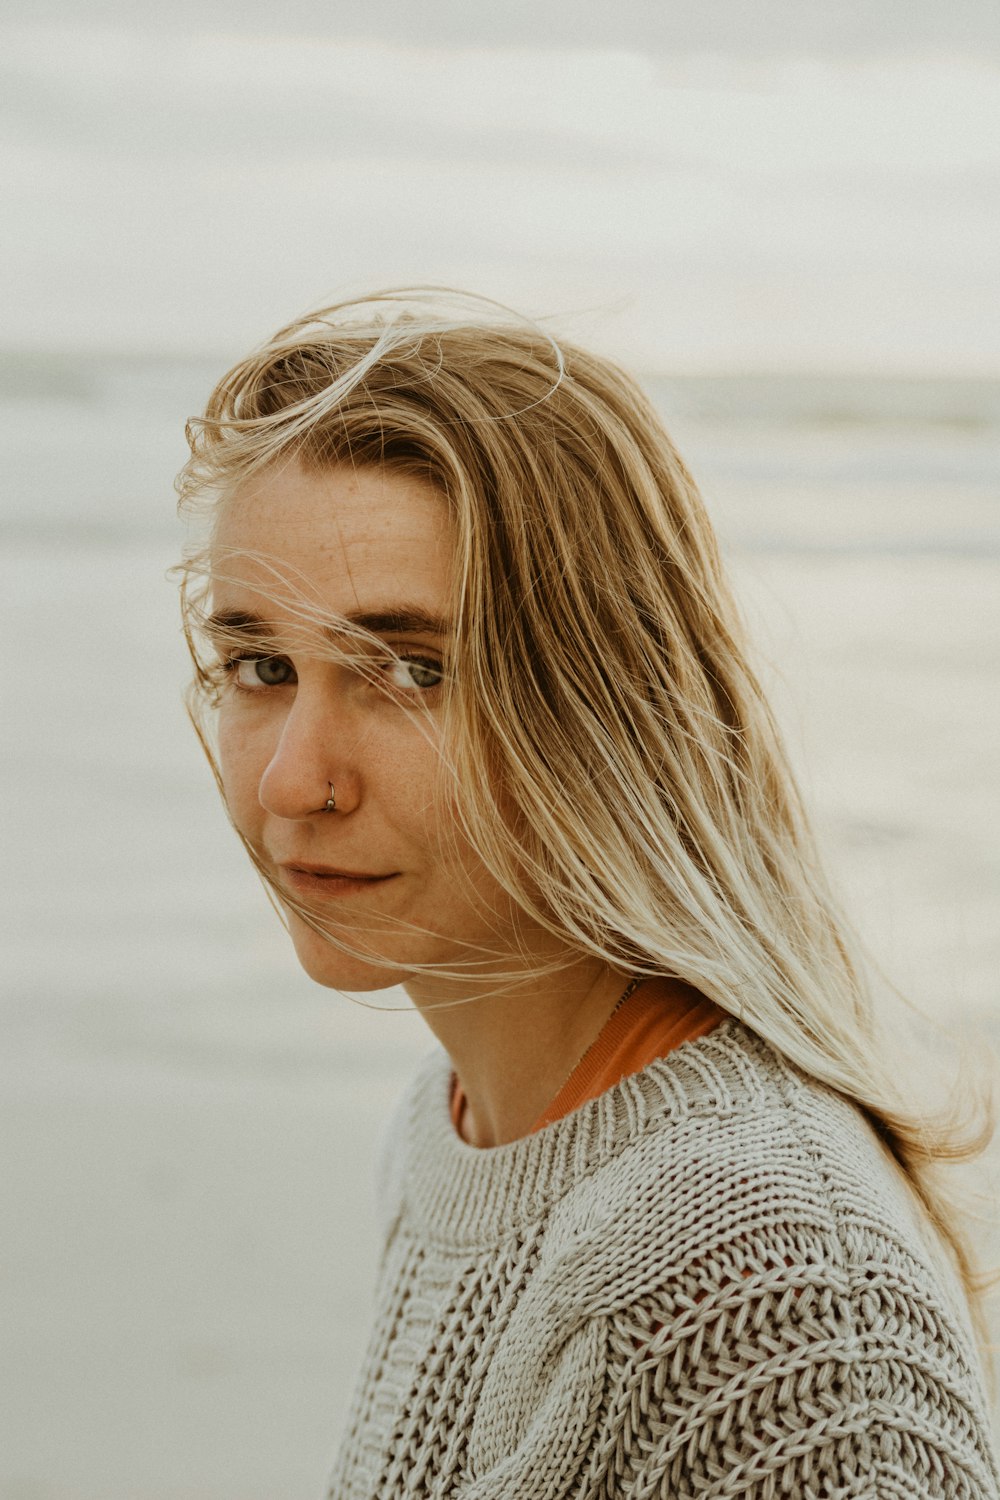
464,1195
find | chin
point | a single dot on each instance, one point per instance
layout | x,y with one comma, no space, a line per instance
329,966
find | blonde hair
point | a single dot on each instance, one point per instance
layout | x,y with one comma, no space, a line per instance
603,686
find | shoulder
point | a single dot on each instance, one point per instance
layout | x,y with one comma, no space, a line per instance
733,1164
772,1308
726,1139
392,1148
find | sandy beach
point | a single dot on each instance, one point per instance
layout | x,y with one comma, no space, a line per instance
187,1124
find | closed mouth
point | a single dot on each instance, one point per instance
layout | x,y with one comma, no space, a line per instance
324,881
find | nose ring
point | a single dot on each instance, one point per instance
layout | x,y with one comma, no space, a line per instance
331,801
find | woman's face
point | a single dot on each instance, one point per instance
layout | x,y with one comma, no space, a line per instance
382,870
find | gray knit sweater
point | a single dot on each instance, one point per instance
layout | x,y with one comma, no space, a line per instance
709,1282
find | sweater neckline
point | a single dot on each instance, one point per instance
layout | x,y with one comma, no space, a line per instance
470,1195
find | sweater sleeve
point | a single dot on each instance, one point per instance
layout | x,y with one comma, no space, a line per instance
776,1375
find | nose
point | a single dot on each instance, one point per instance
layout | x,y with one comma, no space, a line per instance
316,750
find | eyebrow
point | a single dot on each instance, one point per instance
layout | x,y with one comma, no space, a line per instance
402,619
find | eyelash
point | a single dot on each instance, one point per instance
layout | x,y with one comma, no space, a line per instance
231,664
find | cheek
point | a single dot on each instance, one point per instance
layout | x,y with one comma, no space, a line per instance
458,859
242,762
470,875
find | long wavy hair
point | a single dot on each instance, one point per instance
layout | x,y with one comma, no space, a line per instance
602,683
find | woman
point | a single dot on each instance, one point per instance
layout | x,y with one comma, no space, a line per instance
657,1220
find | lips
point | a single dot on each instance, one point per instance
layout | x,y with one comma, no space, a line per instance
324,881
304,867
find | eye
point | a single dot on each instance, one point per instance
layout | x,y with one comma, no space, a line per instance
255,672
409,672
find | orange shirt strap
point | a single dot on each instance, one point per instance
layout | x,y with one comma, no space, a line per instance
643,1030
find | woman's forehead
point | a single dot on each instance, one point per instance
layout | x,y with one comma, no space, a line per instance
354,540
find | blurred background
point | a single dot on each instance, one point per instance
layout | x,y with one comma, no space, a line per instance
786,218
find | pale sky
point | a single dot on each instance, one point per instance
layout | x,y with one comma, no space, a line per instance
824,198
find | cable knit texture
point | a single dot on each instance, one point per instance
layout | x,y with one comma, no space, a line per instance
708,1282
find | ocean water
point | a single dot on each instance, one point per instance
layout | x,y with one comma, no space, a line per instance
186,1123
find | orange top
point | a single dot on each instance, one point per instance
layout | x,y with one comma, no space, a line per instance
631,1038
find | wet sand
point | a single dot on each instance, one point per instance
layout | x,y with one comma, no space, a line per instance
187,1124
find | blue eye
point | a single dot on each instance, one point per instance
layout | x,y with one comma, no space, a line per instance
410,672
262,671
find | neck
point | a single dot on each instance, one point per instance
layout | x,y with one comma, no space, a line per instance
513,1044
